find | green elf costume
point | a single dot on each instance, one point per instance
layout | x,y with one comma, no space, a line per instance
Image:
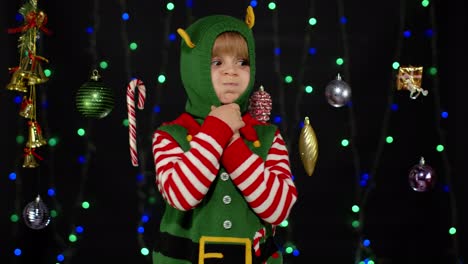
223,200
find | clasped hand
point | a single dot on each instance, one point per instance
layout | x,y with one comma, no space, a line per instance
231,115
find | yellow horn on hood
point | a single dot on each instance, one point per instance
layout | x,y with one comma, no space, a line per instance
250,17
185,37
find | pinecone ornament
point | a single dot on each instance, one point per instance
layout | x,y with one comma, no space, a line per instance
260,105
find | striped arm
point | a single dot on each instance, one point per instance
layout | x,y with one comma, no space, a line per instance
183,178
267,186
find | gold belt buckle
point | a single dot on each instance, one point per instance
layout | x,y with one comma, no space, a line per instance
223,240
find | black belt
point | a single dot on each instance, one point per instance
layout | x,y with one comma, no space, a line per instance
185,249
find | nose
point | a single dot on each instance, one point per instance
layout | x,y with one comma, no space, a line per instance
229,69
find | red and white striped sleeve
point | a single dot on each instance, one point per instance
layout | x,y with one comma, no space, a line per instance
266,185
184,178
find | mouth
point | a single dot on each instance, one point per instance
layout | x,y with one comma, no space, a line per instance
230,84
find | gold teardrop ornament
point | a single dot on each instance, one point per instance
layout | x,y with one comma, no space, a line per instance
308,147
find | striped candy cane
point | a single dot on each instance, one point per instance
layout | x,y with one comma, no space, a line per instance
134,83
256,241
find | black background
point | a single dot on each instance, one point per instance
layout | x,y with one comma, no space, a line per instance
404,226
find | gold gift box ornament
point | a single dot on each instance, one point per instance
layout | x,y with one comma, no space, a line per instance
410,78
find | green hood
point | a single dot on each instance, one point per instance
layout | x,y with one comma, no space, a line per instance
195,63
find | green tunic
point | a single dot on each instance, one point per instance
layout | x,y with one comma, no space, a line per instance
222,214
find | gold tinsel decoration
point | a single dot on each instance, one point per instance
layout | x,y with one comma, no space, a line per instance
28,74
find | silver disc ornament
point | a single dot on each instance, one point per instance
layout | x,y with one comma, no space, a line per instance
36,214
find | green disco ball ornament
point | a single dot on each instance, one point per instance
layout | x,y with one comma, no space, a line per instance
94,99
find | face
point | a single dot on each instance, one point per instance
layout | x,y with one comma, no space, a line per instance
230,76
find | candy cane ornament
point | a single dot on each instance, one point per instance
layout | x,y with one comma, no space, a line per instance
132,85
256,241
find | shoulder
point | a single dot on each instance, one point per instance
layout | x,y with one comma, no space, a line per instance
177,129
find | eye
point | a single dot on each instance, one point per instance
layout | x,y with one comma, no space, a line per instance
243,62
216,62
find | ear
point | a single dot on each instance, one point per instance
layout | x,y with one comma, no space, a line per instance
186,38
250,17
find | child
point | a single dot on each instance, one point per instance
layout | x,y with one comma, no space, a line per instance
224,175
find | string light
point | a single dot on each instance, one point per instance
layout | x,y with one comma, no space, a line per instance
364,254
145,189
146,193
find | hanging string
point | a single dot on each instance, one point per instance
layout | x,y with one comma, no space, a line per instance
149,190
68,249
277,70
300,88
163,64
125,41
145,184
302,68
282,99
364,195
90,148
447,168
141,154
351,113
93,37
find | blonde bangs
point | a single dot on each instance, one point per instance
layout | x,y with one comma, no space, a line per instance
231,43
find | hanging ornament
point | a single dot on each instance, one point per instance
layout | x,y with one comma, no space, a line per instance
260,105
33,19
132,124
338,92
34,72
36,214
30,158
17,81
308,147
29,71
35,138
93,99
410,78
26,108
421,177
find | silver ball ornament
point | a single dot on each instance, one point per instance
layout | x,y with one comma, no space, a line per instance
338,92
36,214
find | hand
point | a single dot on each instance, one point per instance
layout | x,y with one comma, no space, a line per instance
229,114
234,137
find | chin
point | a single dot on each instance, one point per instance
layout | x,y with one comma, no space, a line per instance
228,101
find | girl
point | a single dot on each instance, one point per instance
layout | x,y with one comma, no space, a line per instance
225,176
